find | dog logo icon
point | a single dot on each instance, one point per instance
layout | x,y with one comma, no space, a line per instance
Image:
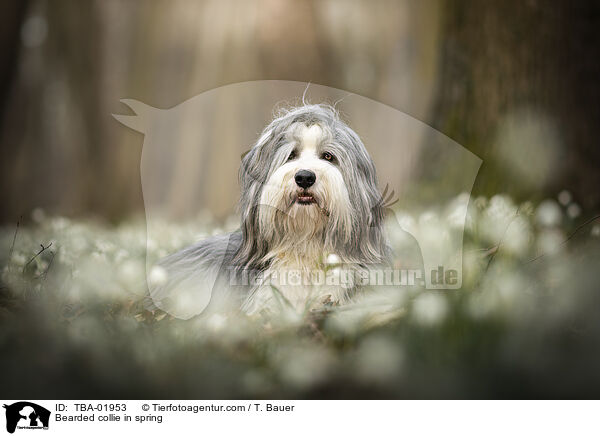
26,415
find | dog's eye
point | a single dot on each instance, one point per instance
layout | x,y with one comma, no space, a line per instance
328,156
292,155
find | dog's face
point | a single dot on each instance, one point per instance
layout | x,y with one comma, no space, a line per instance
308,189
309,177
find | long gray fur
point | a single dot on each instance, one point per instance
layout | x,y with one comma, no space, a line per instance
215,259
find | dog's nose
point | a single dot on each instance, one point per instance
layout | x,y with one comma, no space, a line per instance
305,178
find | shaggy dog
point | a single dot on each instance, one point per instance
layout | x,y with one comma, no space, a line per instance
309,200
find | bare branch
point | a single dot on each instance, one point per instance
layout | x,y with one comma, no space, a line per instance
581,226
38,253
12,246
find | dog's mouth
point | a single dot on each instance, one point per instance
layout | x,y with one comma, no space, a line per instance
305,198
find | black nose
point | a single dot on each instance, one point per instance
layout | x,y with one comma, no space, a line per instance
305,178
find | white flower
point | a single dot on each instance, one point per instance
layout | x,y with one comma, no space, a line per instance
158,276
550,241
131,272
564,197
121,255
496,218
430,308
518,235
60,223
38,215
216,322
480,203
574,210
501,207
303,367
527,208
19,259
548,213
379,359
457,215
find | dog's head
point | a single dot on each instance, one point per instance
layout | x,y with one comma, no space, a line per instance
309,177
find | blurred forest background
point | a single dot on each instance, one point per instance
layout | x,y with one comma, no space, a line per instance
515,82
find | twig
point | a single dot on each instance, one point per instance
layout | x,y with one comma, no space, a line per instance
581,226
38,253
495,252
474,250
484,251
12,246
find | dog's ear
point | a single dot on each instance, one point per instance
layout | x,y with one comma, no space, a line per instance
254,167
246,168
373,244
253,247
